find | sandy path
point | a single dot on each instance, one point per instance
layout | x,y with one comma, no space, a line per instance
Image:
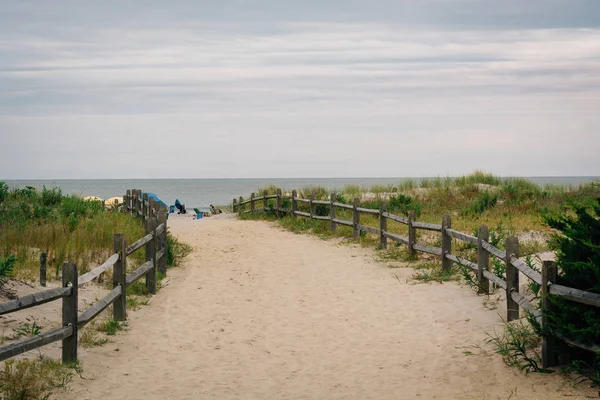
260,313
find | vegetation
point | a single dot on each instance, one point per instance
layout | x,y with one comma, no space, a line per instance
176,250
64,227
111,327
578,256
476,199
90,338
33,379
518,344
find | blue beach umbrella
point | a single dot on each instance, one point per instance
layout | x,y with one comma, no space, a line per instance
156,199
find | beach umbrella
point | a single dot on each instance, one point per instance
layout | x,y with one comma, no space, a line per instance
114,200
92,198
156,198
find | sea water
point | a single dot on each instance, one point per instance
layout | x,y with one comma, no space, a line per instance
203,192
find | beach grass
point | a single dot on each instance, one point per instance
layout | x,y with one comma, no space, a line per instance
508,206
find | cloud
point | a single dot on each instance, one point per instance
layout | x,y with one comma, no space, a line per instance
307,86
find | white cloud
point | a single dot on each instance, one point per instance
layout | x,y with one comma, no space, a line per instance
299,98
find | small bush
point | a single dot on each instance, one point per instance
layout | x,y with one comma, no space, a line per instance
6,268
484,201
518,346
33,379
403,203
51,197
3,191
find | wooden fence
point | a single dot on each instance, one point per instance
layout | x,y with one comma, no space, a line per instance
154,218
510,282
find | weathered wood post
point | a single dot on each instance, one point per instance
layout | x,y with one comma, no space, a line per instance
119,277
252,203
332,212
412,234
240,207
69,312
294,203
355,219
311,205
103,205
446,243
134,201
483,260
140,204
512,279
126,200
265,200
150,225
549,345
162,240
233,205
279,211
43,259
145,206
382,225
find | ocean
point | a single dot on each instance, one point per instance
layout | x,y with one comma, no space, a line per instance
203,192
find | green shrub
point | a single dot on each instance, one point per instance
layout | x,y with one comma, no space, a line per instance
403,204
578,258
3,191
6,268
51,197
484,201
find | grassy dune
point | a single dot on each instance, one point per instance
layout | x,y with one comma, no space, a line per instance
508,206
64,227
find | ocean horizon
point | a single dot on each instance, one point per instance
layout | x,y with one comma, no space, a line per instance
220,191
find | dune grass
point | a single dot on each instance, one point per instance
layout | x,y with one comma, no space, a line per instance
508,206
66,228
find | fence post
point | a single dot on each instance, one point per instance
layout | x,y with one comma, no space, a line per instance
412,234
119,277
150,225
252,203
294,203
332,212
43,259
446,243
278,203
162,240
69,312
145,212
512,279
355,219
265,200
311,205
233,205
140,204
483,260
125,202
549,345
382,225
240,205
134,200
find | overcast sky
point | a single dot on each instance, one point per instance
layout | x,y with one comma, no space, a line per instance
311,88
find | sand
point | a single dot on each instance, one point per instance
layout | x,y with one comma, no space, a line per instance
257,312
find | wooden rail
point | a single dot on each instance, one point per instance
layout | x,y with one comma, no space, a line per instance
154,219
509,282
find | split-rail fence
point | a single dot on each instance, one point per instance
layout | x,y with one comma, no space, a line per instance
154,219
510,256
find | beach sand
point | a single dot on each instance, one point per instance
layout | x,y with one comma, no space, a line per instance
257,312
